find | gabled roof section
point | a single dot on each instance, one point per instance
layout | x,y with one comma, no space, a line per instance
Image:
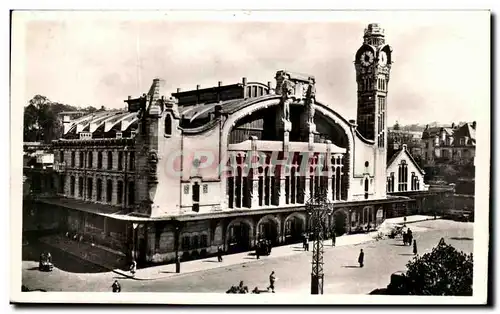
466,130
402,151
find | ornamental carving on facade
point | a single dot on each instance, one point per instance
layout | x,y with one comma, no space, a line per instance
153,165
311,100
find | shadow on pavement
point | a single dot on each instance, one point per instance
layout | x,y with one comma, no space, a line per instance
61,260
350,266
462,238
398,244
210,261
407,254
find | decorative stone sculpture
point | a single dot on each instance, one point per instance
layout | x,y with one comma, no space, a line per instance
310,100
287,92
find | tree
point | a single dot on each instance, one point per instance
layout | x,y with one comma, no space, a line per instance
444,271
41,119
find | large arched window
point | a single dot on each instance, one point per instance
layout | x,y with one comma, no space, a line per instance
168,125
403,176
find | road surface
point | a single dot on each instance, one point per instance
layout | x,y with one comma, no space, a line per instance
342,274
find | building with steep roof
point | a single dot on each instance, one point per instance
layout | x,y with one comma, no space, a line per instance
176,177
456,144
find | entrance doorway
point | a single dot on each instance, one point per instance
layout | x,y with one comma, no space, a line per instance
238,238
294,227
268,230
340,222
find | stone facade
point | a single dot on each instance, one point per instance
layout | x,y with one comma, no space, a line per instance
213,167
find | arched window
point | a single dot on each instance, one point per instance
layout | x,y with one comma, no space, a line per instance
81,160
80,186
99,160
119,192
110,160
168,125
90,160
131,193
99,190
403,176
109,190
72,185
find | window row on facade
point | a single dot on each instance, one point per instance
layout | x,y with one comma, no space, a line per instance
103,160
267,188
99,190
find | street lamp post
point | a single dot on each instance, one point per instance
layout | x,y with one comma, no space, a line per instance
318,207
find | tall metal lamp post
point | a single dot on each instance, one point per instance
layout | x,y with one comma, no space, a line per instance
318,207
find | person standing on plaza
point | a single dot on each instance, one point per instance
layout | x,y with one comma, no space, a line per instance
361,258
272,280
133,268
415,247
116,286
304,241
334,238
219,254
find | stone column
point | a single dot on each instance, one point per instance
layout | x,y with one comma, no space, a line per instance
282,189
255,188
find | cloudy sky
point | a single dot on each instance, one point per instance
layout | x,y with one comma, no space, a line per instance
440,73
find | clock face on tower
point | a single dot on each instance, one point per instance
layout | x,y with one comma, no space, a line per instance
366,58
382,58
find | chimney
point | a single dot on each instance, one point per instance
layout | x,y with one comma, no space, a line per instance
453,125
178,90
474,125
220,83
129,97
197,87
269,86
244,81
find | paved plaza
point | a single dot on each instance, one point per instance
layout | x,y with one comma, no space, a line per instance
291,264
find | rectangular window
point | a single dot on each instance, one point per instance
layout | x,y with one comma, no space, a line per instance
196,197
61,156
73,157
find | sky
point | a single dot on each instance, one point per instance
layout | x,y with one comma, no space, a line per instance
441,69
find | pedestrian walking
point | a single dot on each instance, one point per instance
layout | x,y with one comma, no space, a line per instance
304,242
361,258
257,249
116,286
415,247
219,254
272,280
334,238
133,268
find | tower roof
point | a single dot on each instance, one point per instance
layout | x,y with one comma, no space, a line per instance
374,29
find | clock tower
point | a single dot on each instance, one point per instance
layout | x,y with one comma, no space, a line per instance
373,65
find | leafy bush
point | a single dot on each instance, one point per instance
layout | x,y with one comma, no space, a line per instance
444,271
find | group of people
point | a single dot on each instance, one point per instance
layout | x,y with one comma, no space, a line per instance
263,247
408,240
241,288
